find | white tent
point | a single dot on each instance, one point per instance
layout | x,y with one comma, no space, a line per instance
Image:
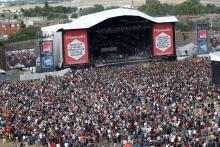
49,31
215,56
2,71
191,49
90,20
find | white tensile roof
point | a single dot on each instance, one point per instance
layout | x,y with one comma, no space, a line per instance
90,20
215,56
48,30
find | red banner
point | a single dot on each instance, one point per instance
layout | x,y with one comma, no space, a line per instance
75,47
163,39
47,47
202,34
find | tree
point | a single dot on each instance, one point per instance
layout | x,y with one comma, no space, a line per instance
190,7
22,24
74,15
211,8
15,16
194,1
37,9
185,37
153,8
22,10
59,9
112,7
57,16
86,11
1,44
46,5
25,34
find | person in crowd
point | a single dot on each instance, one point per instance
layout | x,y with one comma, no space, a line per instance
167,103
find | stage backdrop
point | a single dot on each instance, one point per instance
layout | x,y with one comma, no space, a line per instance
163,39
75,47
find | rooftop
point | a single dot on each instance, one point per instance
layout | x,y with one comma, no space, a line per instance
90,20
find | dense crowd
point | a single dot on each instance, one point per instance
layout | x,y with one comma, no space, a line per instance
147,104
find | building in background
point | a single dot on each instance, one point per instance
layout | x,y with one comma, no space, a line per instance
35,21
48,31
57,21
9,28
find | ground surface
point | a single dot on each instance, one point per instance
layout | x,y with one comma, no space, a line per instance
87,3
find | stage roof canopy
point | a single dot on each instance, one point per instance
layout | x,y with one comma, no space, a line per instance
90,20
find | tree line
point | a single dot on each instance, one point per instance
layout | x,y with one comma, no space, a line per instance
156,8
58,12
188,7
152,7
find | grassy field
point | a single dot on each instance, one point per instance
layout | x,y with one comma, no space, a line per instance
87,3
82,3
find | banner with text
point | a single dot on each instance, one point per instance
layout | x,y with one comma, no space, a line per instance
163,39
46,55
75,47
47,61
46,47
202,38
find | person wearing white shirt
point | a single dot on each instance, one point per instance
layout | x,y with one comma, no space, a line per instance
66,144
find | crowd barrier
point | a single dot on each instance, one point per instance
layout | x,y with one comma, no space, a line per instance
35,76
123,62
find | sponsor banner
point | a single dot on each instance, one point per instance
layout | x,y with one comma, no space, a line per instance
214,40
202,34
203,47
46,47
47,61
46,56
163,39
202,38
22,58
75,47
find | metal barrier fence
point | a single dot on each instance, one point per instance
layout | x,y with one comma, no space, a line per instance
33,76
9,77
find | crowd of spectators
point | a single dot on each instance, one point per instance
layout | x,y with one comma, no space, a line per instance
167,103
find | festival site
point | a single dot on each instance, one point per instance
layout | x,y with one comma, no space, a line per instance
117,77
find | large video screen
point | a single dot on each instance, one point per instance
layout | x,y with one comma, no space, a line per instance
20,58
215,41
